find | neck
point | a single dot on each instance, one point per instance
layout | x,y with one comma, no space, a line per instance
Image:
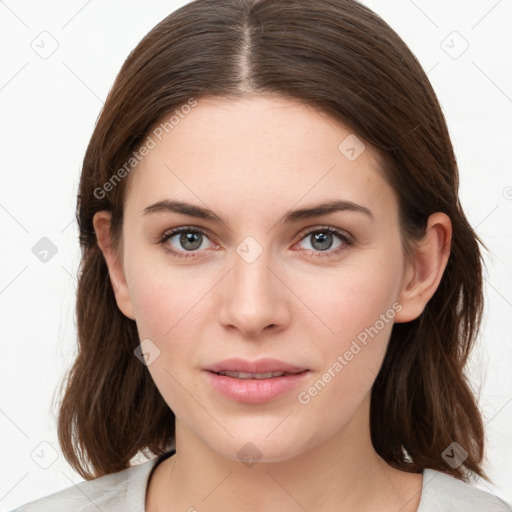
343,473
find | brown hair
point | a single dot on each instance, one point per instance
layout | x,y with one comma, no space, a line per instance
342,59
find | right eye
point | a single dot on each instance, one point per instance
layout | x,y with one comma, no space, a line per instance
186,244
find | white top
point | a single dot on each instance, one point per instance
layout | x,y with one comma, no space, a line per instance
125,491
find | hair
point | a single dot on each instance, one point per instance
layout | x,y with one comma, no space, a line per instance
342,59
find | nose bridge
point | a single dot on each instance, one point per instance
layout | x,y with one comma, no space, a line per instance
252,279
254,299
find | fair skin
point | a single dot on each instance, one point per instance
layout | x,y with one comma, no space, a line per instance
251,161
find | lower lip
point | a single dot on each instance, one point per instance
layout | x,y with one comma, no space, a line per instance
255,391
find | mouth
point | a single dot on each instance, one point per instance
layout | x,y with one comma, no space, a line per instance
255,382
257,376
265,368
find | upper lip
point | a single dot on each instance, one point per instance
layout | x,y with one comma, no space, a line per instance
259,366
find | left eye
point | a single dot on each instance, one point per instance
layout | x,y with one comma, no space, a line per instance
321,240
191,240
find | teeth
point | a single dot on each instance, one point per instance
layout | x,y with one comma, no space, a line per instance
244,375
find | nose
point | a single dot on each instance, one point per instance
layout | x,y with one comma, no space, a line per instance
254,297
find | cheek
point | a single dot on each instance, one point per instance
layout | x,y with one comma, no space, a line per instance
150,305
168,309
354,298
164,296
358,305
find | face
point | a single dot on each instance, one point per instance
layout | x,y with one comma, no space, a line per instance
316,294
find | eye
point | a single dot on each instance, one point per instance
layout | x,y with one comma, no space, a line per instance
321,241
189,241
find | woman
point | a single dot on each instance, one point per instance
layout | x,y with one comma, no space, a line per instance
279,289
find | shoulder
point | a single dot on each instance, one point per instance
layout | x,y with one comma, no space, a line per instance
443,493
118,492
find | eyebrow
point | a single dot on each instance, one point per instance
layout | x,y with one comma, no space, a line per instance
292,216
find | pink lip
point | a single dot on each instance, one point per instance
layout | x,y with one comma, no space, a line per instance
259,366
255,391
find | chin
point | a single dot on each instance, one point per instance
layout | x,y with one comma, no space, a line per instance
251,449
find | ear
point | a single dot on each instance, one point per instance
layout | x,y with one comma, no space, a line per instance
101,222
423,275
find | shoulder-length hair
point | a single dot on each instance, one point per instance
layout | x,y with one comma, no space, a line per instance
344,60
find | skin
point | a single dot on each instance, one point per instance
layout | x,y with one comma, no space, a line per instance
251,161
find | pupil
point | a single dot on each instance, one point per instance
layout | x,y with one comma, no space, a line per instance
324,239
190,238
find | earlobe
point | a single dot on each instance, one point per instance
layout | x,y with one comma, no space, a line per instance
423,275
101,222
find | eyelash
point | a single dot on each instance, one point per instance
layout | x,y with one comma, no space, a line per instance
345,238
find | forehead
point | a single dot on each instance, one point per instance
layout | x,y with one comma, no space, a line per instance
257,153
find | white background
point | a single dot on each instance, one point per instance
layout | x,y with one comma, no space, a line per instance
49,107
